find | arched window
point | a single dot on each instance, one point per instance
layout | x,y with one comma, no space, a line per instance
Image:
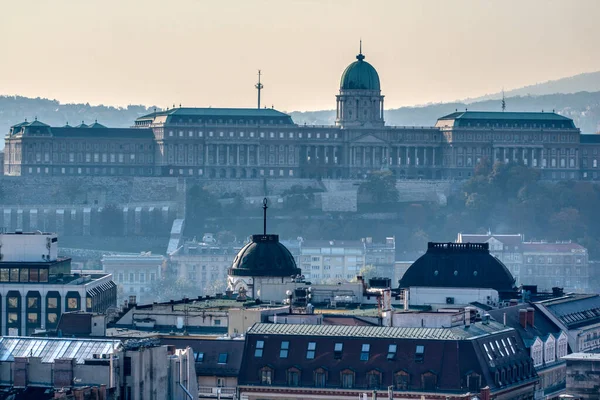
401,380
474,382
266,376
428,380
320,377
293,377
373,379
347,378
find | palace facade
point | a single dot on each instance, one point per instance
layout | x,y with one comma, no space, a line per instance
255,143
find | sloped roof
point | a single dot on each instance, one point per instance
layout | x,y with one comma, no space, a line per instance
551,247
108,133
218,113
49,349
575,310
208,364
506,116
543,326
512,240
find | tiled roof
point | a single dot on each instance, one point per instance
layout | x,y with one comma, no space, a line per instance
86,132
457,333
220,112
207,354
49,349
543,326
513,240
575,311
590,138
487,115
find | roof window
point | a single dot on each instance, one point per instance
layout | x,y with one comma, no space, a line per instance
260,345
311,349
283,352
200,357
419,353
392,351
337,350
222,358
364,353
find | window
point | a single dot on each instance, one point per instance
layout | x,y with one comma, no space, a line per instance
52,302
429,381
293,377
34,275
14,275
260,345
266,376
391,351
32,302
52,318
347,379
285,346
364,353
337,350
320,377
373,379
310,351
200,357
222,358
419,352
401,380
32,318
13,302
127,366
72,304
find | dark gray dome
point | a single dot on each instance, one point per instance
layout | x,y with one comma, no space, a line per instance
459,265
264,256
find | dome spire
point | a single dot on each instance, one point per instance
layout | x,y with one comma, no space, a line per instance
360,55
265,201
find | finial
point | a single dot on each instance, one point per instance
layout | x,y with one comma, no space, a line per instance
265,202
259,86
360,55
96,121
503,101
179,105
154,109
36,117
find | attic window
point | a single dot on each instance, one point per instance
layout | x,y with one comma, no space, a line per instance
419,353
200,357
260,345
222,358
337,350
310,351
283,352
391,351
364,354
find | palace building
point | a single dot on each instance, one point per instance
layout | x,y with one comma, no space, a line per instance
238,143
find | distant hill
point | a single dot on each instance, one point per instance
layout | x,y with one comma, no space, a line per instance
586,82
582,107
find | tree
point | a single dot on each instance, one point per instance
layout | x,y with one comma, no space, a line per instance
380,188
201,204
367,272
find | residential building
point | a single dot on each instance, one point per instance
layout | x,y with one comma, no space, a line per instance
240,143
546,342
37,285
134,369
579,316
333,260
583,379
346,362
381,255
134,274
559,264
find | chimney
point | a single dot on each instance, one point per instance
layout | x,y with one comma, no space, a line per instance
504,319
530,316
485,393
513,302
523,318
132,300
103,392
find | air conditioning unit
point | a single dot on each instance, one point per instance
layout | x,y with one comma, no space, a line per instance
449,300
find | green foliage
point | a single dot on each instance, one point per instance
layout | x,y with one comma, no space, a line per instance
379,188
111,221
299,199
201,204
367,272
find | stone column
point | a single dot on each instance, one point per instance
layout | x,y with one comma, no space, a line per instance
206,154
20,219
227,155
87,217
137,220
23,313
433,157
424,155
237,154
60,222
417,156
33,219
364,156
248,154
217,155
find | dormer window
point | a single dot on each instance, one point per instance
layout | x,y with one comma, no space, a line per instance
391,351
419,353
364,353
310,350
260,345
337,350
283,352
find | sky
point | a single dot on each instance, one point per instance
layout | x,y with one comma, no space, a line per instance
206,53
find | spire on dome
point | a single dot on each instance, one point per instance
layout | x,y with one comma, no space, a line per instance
360,55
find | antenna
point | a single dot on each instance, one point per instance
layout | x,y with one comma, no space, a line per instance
265,201
259,87
503,101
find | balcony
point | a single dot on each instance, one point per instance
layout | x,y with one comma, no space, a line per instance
216,392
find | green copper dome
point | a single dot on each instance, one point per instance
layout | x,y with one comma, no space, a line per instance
360,75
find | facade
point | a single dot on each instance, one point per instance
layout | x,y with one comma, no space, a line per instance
583,380
544,264
204,264
37,286
546,344
134,274
328,261
346,362
256,143
132,370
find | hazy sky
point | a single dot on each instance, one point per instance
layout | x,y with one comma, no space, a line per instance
206,53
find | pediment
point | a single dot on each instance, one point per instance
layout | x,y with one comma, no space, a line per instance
369,139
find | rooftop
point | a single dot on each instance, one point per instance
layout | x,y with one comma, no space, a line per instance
49,349
457,333
583,356
498,115
574,310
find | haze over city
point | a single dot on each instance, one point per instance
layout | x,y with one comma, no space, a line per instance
206,53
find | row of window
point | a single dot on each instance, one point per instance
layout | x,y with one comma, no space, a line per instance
251,134
373,379
23,275
337,350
